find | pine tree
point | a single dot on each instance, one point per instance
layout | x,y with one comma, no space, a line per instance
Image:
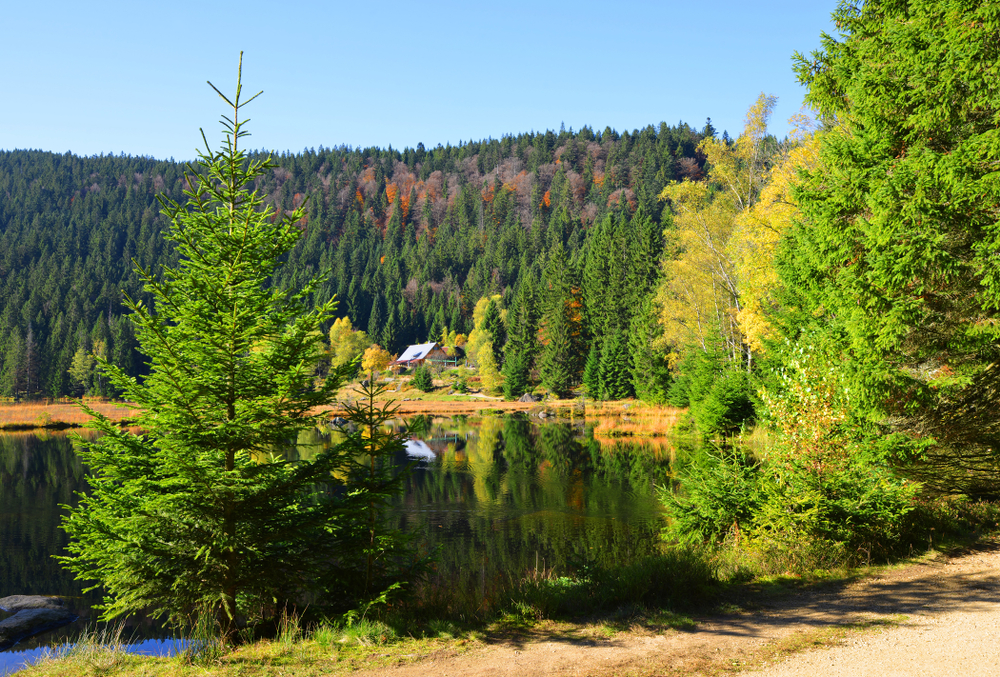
555,367
423,379
559,361
201,513
592,371
616,368
895,256
516,371
519,353
650,372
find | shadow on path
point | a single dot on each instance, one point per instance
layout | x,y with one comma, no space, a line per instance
939,585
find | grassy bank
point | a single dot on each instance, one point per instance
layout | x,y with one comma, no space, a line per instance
611,421
654,596
61,414
656,592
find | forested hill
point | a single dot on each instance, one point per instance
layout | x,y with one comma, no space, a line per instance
413,239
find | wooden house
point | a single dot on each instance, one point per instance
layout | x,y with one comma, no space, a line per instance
431,354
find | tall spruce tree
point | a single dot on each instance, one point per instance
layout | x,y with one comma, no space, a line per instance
201,513
519,353
558,363
895,255
650,372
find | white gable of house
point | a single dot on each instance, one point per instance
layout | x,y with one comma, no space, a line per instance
417,352
419,449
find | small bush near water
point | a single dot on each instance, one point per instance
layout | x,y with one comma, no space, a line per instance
678,579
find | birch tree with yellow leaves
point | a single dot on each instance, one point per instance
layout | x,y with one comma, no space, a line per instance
721,283
759,229
701,297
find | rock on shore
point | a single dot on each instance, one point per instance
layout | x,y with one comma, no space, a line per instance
32,614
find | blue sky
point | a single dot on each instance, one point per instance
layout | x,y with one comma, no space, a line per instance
111,77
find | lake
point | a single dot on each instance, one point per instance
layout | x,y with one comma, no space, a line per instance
496,497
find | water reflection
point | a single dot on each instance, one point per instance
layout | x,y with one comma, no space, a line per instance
503,496
38,473
494,497
22,656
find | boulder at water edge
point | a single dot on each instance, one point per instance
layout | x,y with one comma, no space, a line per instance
32,614
18,602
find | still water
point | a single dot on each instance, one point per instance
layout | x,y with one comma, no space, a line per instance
495,497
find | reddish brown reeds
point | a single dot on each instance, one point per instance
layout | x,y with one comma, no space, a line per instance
57,414
457,407
630,419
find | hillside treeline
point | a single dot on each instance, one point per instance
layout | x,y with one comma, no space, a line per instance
413,239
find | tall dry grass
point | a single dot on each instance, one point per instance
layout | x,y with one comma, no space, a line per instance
632,419
58,414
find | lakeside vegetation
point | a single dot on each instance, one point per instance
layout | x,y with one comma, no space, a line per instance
820,312
58,415
537,610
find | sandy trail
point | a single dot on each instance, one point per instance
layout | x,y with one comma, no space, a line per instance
940,617
952,626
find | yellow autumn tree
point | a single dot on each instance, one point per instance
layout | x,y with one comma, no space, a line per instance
701,296
759,229
741,168
346,342
478,339
479,349
375,359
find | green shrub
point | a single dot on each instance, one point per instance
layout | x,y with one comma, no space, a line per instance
720,395
720,492
680,577
423,379
726,406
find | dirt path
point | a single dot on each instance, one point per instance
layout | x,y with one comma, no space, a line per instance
952,625
939,617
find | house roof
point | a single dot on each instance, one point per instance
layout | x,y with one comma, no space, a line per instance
417,352
419,449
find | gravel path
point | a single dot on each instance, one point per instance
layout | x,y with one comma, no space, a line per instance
952,627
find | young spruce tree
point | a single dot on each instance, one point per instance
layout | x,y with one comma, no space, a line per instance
201,513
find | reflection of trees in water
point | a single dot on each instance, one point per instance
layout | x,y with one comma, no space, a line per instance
37,474
503,494
522,494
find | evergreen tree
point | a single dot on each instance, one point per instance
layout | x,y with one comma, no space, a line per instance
895,256
650,371
516,375
558,362
616,368
519,353
376,320
201,513
556,368
592,371
422,378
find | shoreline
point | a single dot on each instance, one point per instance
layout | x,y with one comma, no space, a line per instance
612,420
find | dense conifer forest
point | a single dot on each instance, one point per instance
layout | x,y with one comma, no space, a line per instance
566,227
825,307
